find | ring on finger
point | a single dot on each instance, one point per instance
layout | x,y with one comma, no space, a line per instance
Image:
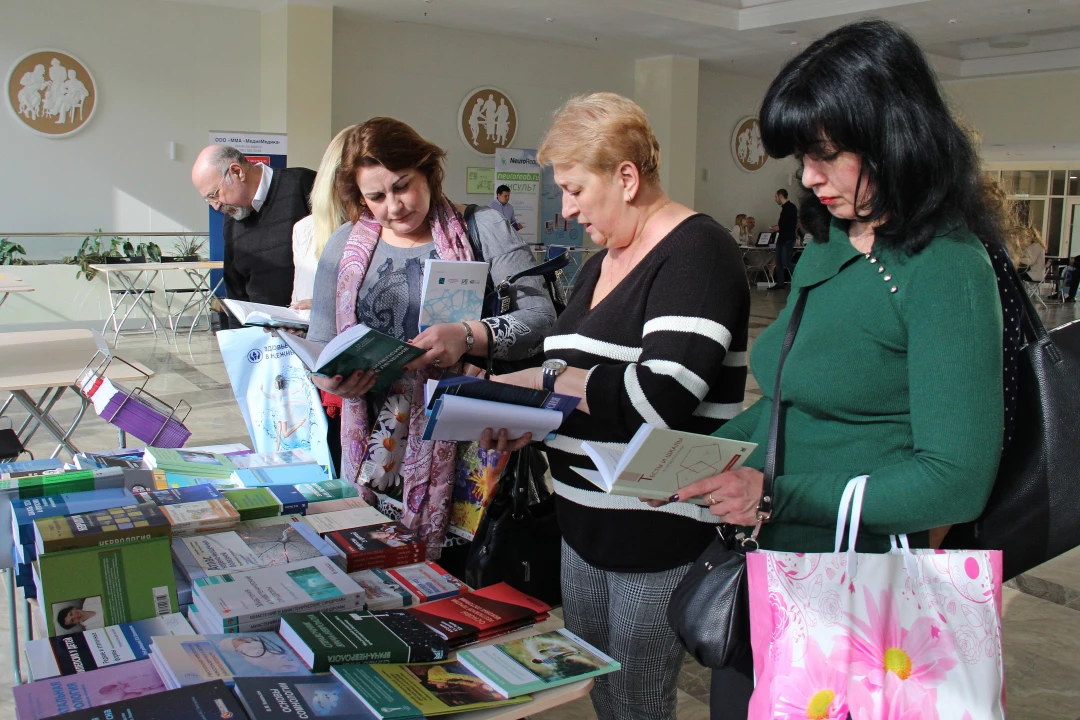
436,363
709,497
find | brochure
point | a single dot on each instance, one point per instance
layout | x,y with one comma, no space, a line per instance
453,292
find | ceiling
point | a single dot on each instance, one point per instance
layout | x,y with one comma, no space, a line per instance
965,38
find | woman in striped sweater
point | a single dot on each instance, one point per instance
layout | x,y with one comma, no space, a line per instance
655,333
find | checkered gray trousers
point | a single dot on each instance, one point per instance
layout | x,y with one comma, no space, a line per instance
625,615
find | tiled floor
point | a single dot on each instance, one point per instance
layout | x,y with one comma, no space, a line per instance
1042,608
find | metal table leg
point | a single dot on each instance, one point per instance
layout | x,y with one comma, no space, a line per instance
138,295
44,419
204,306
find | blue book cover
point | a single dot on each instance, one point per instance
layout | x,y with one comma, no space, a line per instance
32,465
124,458
287,475
177,495
287,698
179,480
195,659
293,502
25,511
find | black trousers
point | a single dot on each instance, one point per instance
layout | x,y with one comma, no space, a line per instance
730,691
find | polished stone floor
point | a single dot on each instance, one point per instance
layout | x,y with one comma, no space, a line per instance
1042,608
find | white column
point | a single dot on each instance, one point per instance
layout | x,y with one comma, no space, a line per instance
667,88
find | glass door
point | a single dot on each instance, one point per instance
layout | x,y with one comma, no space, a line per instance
1070,245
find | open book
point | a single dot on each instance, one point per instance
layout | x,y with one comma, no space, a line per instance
657,462
250,313
460,408
358,348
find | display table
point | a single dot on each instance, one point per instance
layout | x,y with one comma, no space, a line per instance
11,284
135,279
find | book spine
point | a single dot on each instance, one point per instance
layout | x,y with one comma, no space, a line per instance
381,558
101,539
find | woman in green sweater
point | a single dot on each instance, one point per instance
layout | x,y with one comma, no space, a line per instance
896,370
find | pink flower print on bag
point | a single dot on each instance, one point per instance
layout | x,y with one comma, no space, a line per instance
898,700
880,645
816,691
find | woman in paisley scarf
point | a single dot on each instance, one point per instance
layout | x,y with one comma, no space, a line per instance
371,272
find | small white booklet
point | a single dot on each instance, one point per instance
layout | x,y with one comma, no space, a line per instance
657,462
453,292
250,313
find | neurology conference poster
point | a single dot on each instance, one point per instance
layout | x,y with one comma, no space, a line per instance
517,168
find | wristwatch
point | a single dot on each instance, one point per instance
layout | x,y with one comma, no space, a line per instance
552,370
468,337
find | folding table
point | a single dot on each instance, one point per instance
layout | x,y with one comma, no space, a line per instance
11,284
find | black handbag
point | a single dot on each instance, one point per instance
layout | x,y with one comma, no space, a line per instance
518,541
1033,513
710,608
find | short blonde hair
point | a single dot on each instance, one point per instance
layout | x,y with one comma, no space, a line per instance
602,131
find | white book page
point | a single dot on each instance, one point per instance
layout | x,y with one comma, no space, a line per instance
307,350
464,419
606,460
342,341
251,312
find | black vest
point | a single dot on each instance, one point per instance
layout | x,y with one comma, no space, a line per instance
258,249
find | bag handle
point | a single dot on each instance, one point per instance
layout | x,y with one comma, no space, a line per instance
765,505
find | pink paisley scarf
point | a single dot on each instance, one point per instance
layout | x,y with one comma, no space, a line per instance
427,471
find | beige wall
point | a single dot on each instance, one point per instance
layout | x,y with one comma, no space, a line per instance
165,72
723,100
420,75
1026,109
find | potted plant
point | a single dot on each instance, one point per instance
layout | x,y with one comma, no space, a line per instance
95,249
8,252
188,248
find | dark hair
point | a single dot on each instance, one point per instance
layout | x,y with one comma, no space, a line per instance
502,189
395,146
783,192
61,618
867,89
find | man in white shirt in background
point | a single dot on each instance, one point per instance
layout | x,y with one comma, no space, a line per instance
502,204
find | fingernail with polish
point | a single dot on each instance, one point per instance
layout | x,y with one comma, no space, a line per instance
674,498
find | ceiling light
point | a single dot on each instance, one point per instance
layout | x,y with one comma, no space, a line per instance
952,22
1009,42
794,42
550,19
1072,177
785,32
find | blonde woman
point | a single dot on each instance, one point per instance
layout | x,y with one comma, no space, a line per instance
655,333
738,230
311,233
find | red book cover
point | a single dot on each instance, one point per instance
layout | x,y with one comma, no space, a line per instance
487,611
383,545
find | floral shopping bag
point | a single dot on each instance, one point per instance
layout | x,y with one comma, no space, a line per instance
908,635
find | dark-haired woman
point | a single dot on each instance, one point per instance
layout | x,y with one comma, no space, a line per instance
896,370
371,272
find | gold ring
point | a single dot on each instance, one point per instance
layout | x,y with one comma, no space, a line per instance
436,363
711,501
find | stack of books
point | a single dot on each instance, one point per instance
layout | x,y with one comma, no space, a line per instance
88,694
384,545
480,614
197,463
139,414
322,639
182,661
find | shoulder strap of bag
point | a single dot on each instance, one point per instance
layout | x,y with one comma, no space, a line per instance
765,505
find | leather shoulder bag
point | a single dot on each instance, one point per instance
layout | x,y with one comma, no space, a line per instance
710,609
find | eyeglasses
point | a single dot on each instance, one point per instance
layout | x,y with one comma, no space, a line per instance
213,197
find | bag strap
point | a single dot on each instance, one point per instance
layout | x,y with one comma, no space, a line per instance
765,505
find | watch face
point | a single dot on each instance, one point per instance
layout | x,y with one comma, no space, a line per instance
555,366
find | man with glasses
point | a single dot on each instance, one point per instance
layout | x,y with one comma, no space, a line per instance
260,207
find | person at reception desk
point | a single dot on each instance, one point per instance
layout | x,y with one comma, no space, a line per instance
502,204
260,207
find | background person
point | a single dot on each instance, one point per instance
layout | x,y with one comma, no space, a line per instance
371,272
738,230
502,204
896,370
261,206
655,332
785,239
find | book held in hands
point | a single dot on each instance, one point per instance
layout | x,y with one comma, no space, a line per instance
453,292
357,348
262,315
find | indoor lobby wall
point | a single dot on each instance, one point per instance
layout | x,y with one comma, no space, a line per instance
723,100
165,72
420,75
1022,109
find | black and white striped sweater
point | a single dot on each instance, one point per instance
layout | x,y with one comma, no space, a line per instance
666,347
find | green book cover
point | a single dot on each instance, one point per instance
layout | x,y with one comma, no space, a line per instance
253,503
531,664
93,588
327,490
322,639
401,692
358,348
112,526
191,462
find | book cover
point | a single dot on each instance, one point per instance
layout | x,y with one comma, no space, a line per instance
92,588
322,639
209,701
280,475
253,503
175,496
453,291
328,506
328,522
126,458
34,483
358,348
110,526
289,698
315,584
382,545
459,419
428,581
281,458
201,516
26,510
93,649
165,480
190,462
214,554
402,692
478,475
465,618
35,465
251,545
383,591
194,659
297,498
61,695
531,664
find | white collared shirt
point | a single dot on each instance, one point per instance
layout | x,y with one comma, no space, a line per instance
264,187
